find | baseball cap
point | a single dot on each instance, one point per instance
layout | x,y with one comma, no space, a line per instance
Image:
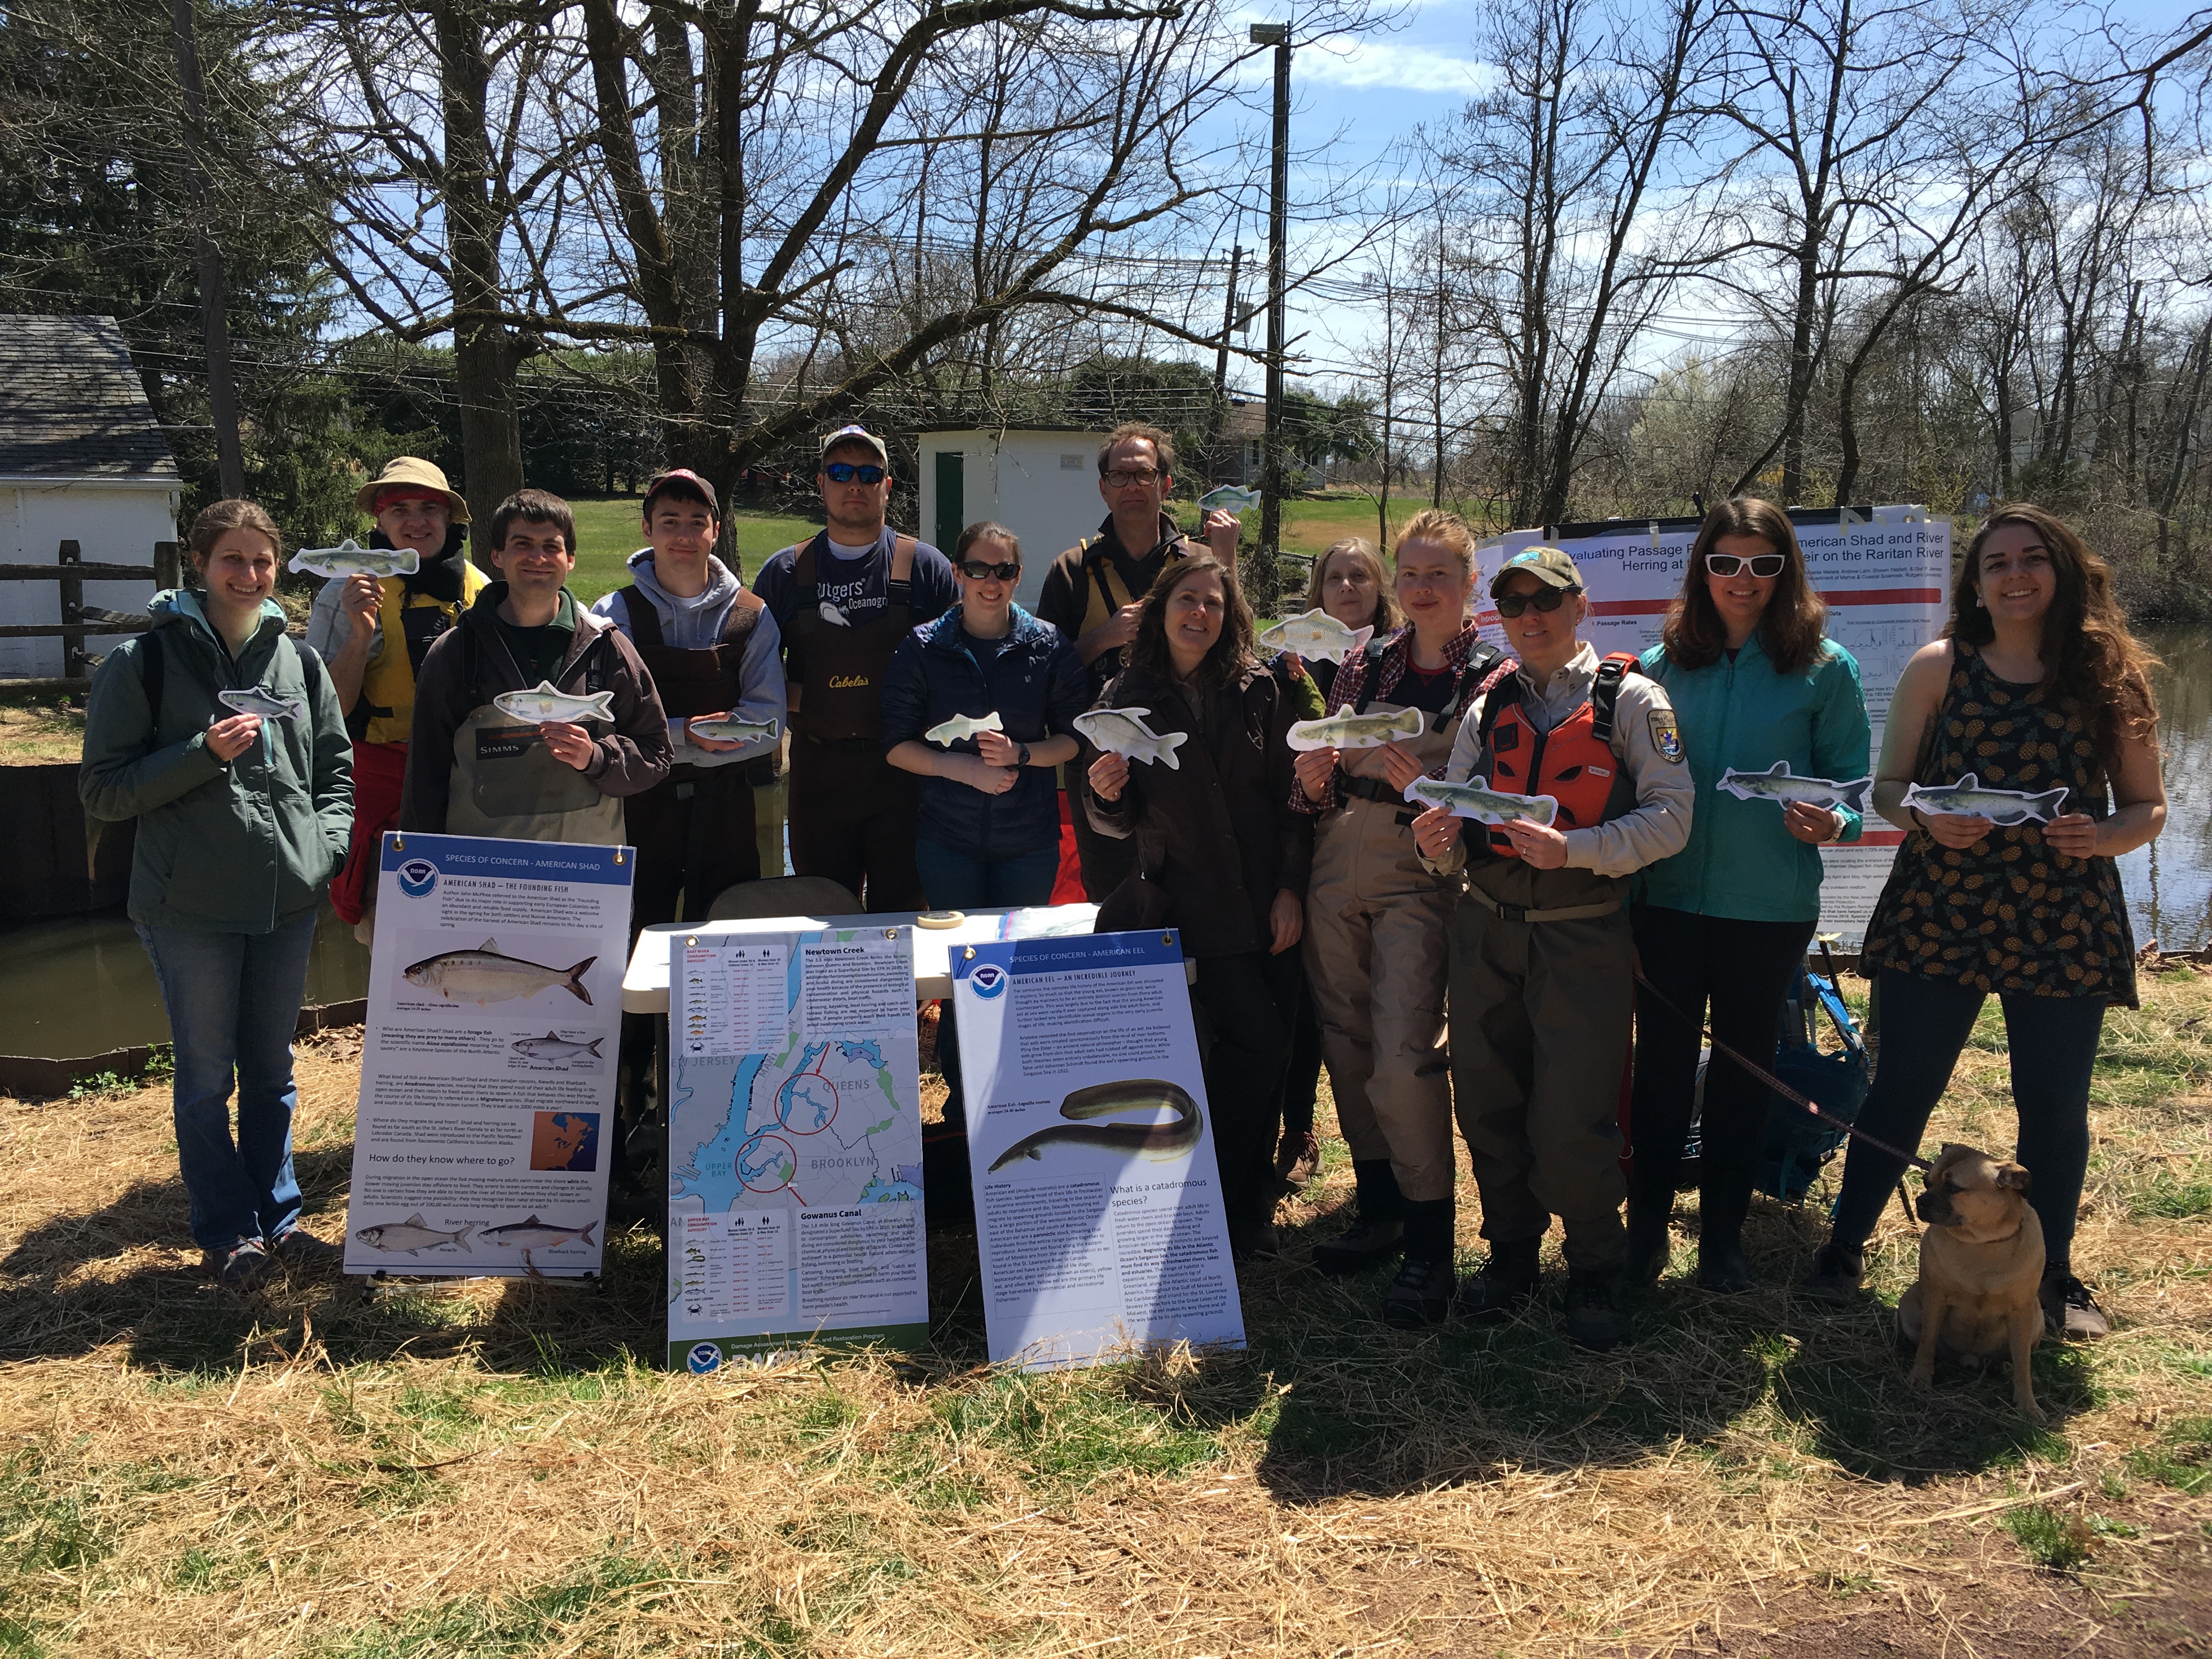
1546,564
858,436
680,481
416,475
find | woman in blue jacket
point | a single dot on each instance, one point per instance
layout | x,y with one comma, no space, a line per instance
1754,680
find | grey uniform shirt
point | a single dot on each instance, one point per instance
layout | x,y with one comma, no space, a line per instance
1659,827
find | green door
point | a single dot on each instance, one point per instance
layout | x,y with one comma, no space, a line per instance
952,504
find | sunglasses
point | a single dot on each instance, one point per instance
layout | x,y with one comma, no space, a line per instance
975,571
1730,564
845,472
1512,604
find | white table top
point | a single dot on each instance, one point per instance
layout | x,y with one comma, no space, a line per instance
645,984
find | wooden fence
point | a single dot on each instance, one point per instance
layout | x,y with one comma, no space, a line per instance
73,572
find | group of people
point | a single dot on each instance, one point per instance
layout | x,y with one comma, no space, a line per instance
1443,969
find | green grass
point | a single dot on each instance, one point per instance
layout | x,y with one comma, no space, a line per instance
2181,1457
2060,1542
607,533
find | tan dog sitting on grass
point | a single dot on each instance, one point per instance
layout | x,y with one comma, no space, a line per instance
1981,1262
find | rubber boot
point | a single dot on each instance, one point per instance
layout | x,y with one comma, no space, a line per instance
1421,1294
1505,1284
1377,1226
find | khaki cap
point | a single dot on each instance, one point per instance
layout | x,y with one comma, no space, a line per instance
1546,564
411,470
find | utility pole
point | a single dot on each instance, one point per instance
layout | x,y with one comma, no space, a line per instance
1277,35
1221,371
214,320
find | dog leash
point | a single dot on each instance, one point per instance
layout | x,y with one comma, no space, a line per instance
1776,1082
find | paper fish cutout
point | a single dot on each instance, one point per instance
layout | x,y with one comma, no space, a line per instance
1351,731
1779,784
1967,799
1315,634
1486,805
350,558
1123,732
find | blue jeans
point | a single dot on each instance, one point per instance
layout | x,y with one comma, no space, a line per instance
1923,1024
234,1001
954,881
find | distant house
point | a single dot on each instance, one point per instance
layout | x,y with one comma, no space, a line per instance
80,460
1244,450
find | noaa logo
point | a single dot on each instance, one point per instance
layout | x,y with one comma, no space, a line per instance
703,1357
417,877
988,980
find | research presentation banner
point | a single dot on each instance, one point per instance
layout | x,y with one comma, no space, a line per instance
1098,1214
482,1136
794,1144
1886,575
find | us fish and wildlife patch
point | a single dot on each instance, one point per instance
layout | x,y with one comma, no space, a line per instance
1665,736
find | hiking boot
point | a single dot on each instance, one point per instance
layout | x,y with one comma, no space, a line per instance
1837,1270
1421,1296
1502,1285
1595,1318
1360,1248
2068,1310
298,1248
240,1268
1724,1267
1254,1240
1297,1160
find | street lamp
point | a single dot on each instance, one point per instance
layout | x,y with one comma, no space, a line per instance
1277,35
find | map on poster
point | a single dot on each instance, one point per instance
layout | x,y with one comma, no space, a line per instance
1886,575
481,1137
794,1199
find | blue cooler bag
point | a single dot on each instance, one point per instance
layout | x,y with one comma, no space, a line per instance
1797,1145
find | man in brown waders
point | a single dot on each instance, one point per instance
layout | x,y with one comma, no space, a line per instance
842,603
1093,591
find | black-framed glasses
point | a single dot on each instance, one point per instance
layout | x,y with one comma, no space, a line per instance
976,571
845,472
1122,477
1763,565
1549,600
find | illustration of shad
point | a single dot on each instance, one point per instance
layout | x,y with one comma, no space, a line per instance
252,700
350,558
1472,801
542,702
1778,784
730,729
1350,731
1123,732
1163,1142
536,1235
1315,634
833,616
483,976
1228,498
1967,799
948,732
413,1236
554,1047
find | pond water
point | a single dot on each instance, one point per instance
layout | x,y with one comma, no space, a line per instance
2169,882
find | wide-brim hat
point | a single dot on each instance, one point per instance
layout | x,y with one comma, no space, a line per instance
414,470
1547,565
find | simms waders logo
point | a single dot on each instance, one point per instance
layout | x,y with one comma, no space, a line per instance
417,877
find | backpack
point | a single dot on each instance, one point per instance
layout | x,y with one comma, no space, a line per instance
154,667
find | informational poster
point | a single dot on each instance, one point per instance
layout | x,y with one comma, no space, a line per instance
1098,1208
1886,575
481,1140
794,1144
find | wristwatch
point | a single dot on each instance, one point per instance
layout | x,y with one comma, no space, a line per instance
1023,758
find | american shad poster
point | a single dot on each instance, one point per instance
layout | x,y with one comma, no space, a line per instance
1098,1208
795,1143
480,1140
1886,574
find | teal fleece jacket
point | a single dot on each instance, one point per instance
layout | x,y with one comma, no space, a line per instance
236,847
1739,861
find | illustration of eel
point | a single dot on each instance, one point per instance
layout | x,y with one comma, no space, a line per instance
1163,1143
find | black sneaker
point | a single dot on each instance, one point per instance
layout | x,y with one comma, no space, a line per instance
2068,1310
1502,1285
1595,1318
1724,1268
1837,1270
1254,1240
240,1268
1421,1294
1363,1246
301,1249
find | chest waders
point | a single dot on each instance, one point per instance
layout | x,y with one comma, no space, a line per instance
385,711
506,783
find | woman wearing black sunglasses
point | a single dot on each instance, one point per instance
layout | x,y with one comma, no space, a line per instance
1754,679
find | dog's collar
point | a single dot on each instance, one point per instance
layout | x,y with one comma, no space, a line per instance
2007,1237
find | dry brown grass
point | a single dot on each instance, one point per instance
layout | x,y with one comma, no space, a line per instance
37,729
499,1469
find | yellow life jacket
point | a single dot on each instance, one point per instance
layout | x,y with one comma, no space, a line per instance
386,713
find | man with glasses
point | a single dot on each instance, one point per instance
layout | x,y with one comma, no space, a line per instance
1094,590
1542,961
842,604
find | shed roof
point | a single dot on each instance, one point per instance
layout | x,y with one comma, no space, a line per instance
75,407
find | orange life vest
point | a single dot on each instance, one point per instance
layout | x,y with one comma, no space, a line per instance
1573,762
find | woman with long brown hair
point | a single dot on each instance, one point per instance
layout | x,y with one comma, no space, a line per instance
1744,654
2037,687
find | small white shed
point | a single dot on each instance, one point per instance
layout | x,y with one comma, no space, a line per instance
80,460
1042,483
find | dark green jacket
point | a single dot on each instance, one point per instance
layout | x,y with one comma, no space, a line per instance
237,846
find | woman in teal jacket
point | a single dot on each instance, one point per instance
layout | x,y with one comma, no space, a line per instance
225,741
1754,681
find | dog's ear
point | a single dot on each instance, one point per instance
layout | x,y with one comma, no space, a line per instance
2013,1177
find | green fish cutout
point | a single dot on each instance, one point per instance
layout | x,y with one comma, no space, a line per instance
1484,805
1967,799
1350,731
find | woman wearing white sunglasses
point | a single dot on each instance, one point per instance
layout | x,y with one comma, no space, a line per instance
1754,680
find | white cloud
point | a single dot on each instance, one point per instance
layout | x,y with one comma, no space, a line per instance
1369,65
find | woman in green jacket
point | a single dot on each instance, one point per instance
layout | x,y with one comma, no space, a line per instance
1754,680
224,739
